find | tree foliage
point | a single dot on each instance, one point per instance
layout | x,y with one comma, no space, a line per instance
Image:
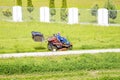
52,8
19,2
64,10
30,6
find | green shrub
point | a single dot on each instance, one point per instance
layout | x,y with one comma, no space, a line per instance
94,10
7,13
112,10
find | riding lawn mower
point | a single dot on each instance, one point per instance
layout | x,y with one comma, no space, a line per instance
54,43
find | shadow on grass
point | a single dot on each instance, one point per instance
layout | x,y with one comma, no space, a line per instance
39,48
87,47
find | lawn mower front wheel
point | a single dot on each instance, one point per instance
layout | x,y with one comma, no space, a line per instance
51,47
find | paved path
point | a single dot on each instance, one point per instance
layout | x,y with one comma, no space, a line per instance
58,53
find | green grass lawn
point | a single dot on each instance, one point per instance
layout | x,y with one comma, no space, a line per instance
16,37
71,67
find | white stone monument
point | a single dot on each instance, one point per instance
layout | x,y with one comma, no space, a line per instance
44,14
103,17
17,13
73,16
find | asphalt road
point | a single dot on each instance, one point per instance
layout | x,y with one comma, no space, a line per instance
57,53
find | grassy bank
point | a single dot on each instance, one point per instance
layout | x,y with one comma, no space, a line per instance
85,62
16,37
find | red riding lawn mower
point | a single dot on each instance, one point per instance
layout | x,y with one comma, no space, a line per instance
55,42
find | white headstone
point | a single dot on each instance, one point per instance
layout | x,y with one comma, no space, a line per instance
72,16
17,13
103,17
44,14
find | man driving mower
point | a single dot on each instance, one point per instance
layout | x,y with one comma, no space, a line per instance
57,42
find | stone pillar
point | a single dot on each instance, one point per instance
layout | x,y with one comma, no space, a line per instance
73,16
103,17
44,14
17,13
